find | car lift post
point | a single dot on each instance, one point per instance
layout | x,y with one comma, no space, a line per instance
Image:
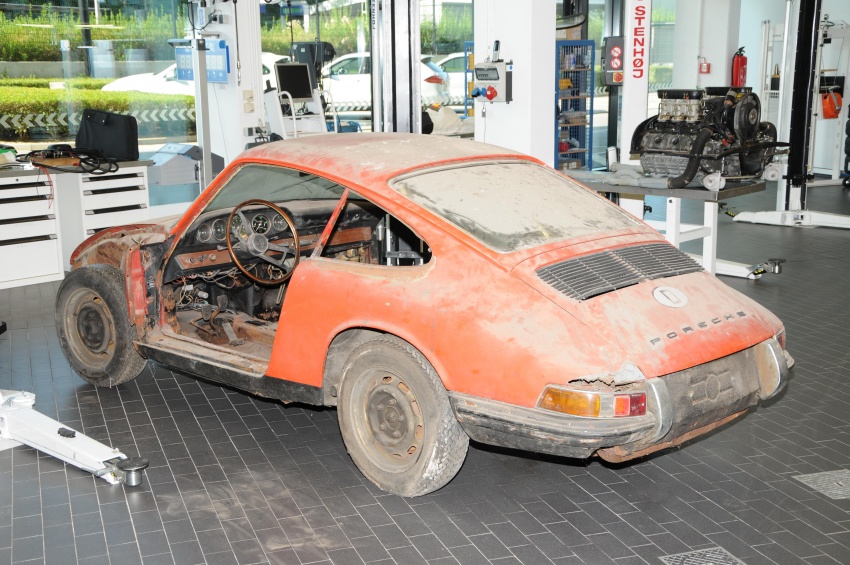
20,424
795,212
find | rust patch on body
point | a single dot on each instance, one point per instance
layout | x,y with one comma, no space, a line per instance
618,454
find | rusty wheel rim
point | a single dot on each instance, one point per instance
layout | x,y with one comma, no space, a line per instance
391,426
90,328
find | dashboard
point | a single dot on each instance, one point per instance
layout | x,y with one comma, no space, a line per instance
203,245
265,222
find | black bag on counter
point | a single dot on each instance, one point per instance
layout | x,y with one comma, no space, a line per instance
114,135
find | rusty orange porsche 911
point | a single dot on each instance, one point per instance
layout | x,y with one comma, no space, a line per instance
433,290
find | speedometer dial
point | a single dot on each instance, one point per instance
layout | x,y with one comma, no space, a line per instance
219,229
260,223
204,233
278,223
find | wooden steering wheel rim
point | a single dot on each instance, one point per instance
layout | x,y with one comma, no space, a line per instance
239,265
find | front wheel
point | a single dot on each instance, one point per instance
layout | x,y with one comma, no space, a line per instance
94,326
396,419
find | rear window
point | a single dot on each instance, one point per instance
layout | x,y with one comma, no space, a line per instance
513,206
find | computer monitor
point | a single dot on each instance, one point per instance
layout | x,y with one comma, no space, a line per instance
313,53
294,78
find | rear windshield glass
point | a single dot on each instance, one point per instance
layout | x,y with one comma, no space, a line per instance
513,206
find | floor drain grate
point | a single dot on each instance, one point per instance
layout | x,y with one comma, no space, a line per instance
710,556
834,484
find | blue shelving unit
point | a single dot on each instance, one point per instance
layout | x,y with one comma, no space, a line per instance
574,82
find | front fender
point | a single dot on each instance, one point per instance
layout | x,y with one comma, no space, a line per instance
111,245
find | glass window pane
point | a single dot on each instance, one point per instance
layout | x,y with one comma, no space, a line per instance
513,206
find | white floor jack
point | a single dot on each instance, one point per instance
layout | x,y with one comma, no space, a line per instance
20,424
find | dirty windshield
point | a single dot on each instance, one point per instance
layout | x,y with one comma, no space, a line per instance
274,184
513,206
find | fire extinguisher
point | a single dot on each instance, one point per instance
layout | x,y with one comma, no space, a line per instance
739,68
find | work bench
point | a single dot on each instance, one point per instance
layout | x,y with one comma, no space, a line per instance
44,216
675,230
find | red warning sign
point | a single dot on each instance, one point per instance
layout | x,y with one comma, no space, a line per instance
618,78
616,51
616,63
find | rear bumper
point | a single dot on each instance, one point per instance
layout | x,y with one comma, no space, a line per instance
544,431
678,405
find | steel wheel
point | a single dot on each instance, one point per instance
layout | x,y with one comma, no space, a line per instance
390,422
90,328
396,419
94,326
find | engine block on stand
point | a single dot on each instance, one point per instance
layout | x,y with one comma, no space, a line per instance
701,134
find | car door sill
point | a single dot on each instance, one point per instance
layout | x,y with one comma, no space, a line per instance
219,365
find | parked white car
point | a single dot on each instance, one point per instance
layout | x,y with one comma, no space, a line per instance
348,79
165,81
453,64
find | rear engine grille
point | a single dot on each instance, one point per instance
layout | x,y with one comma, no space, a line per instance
604,272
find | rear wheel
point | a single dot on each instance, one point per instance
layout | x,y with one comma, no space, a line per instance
396,419
94,327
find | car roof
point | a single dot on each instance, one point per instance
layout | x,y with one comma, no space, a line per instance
370,159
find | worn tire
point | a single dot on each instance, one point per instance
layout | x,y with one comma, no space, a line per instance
94,326
396,419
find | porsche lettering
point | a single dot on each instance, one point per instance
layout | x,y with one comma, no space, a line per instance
701,325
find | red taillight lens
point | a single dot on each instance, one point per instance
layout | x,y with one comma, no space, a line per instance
435,80
630,404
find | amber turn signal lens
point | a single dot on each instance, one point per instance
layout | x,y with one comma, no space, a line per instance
594,404
573,402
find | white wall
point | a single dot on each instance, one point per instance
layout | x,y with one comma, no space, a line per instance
827,146
527,35
709,29
753,13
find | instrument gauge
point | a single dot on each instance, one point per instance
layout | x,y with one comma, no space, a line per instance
260,223
278,223
204,233
219,229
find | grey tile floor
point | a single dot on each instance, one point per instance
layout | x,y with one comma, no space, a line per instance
237,479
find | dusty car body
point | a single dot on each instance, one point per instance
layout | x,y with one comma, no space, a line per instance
434,290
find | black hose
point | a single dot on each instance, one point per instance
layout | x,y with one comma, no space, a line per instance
693,161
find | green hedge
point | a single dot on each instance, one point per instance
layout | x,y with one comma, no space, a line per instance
32,100
337,28
661,73
82,83
27,37
37,38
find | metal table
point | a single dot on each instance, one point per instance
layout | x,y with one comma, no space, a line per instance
677,232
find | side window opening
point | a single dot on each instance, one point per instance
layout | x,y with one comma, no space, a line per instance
399,245
385,240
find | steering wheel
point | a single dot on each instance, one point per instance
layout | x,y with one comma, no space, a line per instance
258,245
